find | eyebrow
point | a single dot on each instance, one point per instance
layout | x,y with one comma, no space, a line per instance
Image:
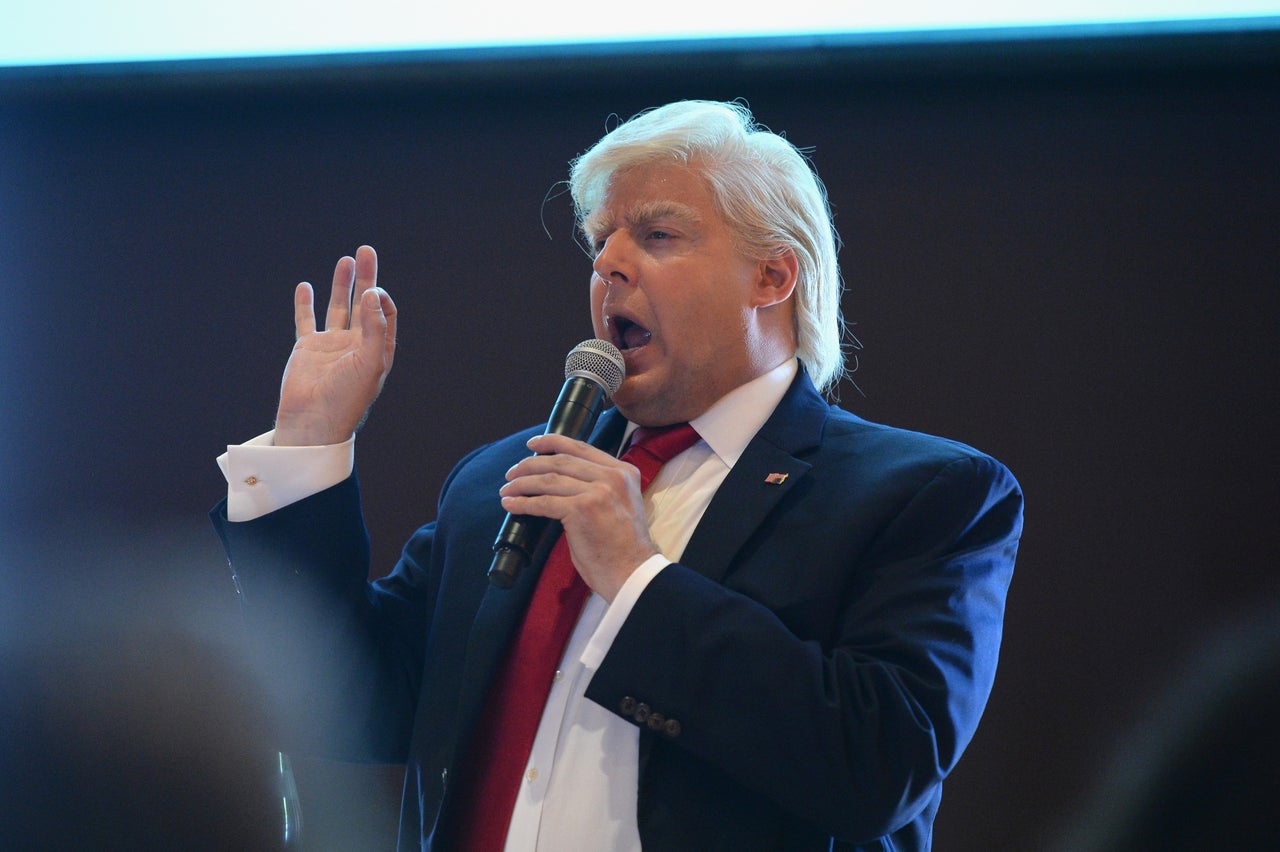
644,212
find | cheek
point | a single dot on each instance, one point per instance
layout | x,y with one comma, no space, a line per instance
597,308
694,321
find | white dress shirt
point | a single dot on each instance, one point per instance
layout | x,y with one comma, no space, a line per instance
580,785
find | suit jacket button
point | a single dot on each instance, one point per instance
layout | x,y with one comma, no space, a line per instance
642,712
671,729
627,706
655,721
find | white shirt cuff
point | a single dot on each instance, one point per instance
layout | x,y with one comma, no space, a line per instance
618,611
262,477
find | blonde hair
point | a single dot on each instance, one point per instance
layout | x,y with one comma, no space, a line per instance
765,189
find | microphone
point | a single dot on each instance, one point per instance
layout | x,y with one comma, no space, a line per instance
593,372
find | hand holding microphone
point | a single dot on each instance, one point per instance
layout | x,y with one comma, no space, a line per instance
593,370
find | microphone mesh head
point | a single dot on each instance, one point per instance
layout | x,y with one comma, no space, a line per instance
600,361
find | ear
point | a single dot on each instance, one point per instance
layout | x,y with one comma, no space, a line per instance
777,280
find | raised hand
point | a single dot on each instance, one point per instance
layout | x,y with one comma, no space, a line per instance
335,374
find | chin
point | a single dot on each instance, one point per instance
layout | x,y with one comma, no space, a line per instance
627,404
636,407
645,410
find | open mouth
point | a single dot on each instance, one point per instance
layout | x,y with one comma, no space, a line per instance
627,335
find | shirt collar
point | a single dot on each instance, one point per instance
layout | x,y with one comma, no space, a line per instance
730,424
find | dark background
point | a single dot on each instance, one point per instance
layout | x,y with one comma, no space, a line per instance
1063,252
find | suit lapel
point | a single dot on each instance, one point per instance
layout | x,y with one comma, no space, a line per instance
767,471
746,497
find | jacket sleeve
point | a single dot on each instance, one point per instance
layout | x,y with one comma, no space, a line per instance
835,675
342,656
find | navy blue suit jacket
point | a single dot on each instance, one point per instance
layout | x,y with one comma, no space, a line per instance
816,662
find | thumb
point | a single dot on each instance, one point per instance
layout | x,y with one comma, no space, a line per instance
373,322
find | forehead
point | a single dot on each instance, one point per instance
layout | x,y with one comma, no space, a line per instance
648,192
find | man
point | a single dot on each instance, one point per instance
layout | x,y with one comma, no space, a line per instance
791,635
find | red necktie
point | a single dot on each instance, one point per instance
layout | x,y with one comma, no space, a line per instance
504,734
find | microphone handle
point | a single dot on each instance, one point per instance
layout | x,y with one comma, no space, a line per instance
576,410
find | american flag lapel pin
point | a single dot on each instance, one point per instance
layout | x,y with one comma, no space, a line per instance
775,478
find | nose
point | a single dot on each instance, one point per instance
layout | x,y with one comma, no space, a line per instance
613,262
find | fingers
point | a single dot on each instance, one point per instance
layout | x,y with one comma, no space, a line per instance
597,499
377,327
366,270
352,307
352,278
564,445
338,315
388,308
364,273
575,469
304,313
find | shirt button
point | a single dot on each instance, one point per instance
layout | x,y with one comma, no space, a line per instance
559,676
251,481
531,775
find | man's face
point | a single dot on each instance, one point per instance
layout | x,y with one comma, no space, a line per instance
670,289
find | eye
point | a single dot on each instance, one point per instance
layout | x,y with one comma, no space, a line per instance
658,235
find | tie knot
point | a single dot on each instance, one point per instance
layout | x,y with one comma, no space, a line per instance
651,448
